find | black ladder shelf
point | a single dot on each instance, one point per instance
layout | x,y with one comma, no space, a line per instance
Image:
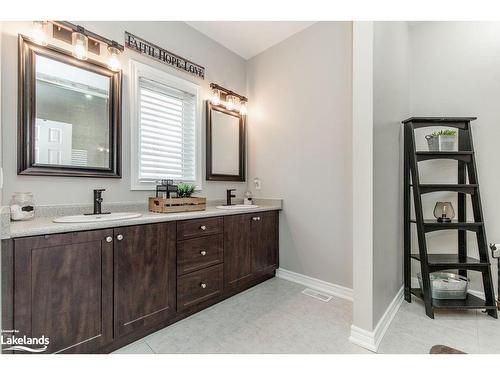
437,262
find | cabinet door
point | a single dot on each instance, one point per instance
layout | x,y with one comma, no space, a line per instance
144,277
63,290
237,251
264,242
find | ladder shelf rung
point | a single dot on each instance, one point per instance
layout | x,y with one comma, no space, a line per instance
439,262
432,225
459,188
465,156
471,302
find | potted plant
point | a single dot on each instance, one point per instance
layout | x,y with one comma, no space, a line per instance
443,140
185,190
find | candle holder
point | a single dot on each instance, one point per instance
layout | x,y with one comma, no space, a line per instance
444,212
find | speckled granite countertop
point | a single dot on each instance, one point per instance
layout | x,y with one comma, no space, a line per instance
41,225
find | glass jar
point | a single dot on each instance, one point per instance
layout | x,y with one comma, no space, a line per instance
248,198
22,207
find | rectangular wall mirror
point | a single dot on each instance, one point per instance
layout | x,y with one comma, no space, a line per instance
69,118
225,144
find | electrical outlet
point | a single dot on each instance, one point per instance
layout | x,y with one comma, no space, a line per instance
257,183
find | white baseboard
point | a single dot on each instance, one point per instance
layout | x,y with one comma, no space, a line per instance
317,284
371,339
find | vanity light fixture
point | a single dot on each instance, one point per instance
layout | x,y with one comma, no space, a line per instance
114,63
215,97
80,43
39,33
83,41
229,99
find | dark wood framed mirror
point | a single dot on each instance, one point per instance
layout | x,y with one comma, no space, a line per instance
225,144
69,119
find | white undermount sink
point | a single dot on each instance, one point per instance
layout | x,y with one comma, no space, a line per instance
96,218
238,207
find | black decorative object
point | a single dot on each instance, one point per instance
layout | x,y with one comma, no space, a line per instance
432,262
165,188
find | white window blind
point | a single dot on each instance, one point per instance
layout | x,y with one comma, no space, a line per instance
167,133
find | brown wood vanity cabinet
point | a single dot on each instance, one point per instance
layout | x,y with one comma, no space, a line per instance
95,291
64,289
199,261
250,247
144,276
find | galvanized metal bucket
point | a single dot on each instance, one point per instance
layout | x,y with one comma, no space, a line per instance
441,142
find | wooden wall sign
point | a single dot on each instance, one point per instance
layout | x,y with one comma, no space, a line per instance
152,50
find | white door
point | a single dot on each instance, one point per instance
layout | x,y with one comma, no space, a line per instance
53,142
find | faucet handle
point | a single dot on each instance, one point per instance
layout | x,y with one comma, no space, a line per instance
230,192
99,190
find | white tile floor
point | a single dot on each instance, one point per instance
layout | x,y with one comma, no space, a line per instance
275,317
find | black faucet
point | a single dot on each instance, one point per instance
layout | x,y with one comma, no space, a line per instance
98,202
229,195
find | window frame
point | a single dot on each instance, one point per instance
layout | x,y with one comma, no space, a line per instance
138,70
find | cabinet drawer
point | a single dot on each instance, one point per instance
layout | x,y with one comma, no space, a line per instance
199,286
199,227
198,253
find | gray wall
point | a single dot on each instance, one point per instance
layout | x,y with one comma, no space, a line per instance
455,71
300,146
222,66
390,106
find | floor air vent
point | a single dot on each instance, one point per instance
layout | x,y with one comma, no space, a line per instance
318,295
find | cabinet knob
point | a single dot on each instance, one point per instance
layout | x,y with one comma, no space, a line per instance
203,252
203,227
256,218
119,237
109,239
203,285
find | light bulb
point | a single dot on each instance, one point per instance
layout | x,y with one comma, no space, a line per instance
80,45
243,108
215,97
114,63
38,34
230,102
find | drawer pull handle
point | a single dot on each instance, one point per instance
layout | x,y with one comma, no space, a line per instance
119,237
256,218
203,252
203,227
203,285
109,239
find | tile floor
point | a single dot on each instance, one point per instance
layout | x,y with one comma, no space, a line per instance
275,317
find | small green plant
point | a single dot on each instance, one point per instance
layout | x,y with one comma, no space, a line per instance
185,190
448,132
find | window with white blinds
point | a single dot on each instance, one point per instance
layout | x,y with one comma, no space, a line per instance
166,131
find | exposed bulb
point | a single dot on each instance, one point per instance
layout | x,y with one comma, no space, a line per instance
38,34
80,46
243,109
114,63
215,97
230,102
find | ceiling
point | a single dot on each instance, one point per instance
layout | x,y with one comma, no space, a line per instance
248,38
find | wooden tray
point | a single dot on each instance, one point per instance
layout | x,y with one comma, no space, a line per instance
167,205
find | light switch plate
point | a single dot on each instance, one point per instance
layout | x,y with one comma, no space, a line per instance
257,183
